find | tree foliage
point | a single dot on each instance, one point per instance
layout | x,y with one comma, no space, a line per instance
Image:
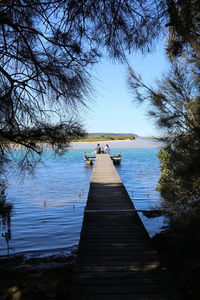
184,26
47,46
174,103
175,107
43,76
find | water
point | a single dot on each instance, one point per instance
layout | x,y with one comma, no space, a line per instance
139,172
48,208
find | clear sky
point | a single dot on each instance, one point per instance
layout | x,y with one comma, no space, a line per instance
113,109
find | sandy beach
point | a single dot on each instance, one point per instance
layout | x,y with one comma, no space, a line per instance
137,143
113,144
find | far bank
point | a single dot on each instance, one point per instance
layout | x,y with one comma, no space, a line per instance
136,143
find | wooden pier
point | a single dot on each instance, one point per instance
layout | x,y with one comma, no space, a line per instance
90,158
115,260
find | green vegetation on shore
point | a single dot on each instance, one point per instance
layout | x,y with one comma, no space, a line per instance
87,138
104,137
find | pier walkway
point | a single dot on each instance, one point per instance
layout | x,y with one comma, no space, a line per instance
115,259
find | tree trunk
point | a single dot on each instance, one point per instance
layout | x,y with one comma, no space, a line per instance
180,28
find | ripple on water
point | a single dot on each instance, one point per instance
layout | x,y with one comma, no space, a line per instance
48,209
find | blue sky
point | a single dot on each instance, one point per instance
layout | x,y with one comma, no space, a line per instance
112,108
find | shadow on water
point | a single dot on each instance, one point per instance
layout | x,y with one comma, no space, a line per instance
5,216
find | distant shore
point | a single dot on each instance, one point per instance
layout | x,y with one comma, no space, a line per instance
103,141
136,143
120,144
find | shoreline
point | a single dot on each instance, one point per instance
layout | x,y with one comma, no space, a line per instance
127,143
102,141
36,278
120,144
52,277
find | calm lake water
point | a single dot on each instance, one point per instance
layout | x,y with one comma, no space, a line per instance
48,208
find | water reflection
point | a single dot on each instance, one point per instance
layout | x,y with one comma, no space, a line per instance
5,215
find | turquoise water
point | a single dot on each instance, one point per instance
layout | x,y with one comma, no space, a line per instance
48,208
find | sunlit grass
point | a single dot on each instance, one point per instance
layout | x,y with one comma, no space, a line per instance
104,137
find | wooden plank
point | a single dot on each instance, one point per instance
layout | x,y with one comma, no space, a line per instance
166,296
121,289
115,259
